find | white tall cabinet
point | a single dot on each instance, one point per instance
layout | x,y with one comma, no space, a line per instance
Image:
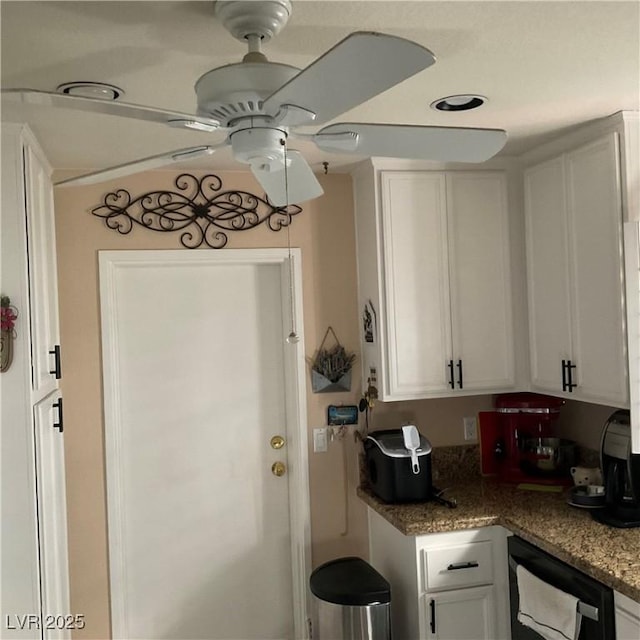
434,273
573,215
34,569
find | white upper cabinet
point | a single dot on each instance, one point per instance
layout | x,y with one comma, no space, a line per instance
416,279
434,272
27,190
43,282
481,314
573,218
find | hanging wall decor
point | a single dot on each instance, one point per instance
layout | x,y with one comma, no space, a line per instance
199,208
331,367
8,316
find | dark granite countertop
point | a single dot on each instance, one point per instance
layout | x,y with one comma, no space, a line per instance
610,555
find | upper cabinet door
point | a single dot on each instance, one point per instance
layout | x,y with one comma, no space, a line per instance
417,306
575,275
43,282
479,265
547,273
595,223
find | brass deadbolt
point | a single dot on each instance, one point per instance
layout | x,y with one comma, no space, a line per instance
277,442
278,469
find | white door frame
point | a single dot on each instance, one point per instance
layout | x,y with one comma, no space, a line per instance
110,263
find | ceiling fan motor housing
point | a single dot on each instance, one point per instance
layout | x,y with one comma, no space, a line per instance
264,18
238,90
262,147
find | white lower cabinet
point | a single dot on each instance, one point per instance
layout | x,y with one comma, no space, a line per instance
627,617
52,515
467,614
449,586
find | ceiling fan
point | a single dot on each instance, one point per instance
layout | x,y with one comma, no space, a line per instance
259,104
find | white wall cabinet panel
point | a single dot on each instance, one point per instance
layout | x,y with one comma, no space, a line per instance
20,577
548,273
434,262
417,282
34,570
43,284
481,313
595,219
575,275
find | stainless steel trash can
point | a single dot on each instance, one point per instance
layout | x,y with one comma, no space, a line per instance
351,601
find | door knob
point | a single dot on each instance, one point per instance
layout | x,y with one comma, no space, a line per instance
277,442
278,469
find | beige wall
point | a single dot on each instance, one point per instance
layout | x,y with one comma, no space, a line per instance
325,233
583,422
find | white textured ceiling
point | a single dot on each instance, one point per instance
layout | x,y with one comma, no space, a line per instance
545,66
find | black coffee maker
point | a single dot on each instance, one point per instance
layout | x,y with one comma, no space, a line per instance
620,473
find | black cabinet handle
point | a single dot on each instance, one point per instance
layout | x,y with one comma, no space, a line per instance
571,385
452,383
463,565
432,606
57,370
459,365
564,375
60,424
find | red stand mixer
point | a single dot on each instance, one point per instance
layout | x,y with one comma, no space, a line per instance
518,441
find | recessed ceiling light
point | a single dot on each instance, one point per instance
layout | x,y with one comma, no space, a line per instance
99,90
458,103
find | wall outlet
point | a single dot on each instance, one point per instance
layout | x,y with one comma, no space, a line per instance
470,428
320,440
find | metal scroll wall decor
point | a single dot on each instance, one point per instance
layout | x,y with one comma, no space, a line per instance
199,207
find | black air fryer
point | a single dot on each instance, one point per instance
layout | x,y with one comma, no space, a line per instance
394,475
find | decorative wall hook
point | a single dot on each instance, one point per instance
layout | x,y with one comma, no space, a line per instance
8,316
199,208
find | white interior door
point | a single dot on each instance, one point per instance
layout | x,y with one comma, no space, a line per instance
198,379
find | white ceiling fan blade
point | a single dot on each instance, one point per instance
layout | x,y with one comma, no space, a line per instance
144,164
359,67
299,181
444,144
108,107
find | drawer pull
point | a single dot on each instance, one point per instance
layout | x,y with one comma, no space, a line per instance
60,424
432,622
463,565
57,371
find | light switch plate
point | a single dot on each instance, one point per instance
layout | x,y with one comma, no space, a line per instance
470,428
320,440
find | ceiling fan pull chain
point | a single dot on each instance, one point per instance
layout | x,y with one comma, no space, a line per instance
293,337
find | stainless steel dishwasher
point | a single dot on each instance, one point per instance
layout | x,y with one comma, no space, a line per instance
596,600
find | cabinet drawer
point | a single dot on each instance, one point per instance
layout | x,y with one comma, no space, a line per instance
460,566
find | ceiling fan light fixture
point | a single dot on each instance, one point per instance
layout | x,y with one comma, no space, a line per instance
84,89
463,102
